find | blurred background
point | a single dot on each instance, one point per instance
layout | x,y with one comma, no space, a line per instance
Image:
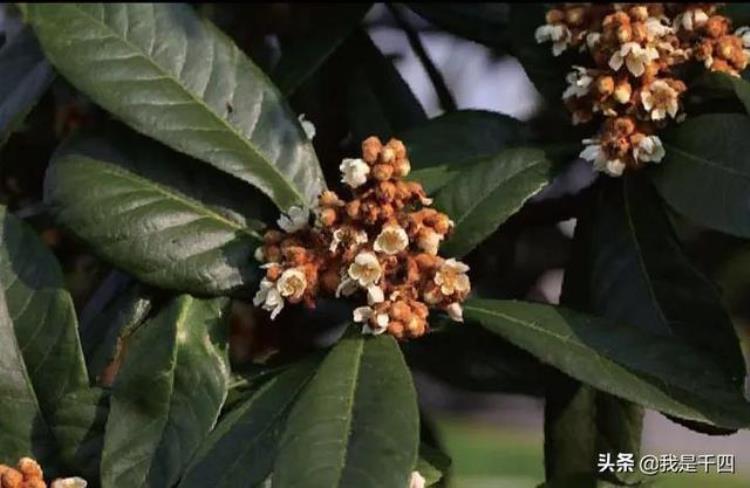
494,439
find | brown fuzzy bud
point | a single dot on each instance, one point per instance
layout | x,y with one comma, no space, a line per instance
330,199
382,172
716,26
442,224
574,16
554,16
328,217
415,326
385,191
273,237
420,309
11,479
34,483
624,33
29,468
398,148
387,212
273,273
396,329
353,209
402,167
722,66
624,125
605,85
726,47
400,311
296,255
639,32
371,147
622,92
427,261
387,154
639,13
271,254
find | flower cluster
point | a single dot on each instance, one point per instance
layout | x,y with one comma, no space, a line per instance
28,474
381,244
637,53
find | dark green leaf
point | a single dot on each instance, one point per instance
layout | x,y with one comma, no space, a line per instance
441,147
483,196
706,172
164,218
167,395
304,52
634,364
356,423
43,318
640,276
26,76
242,448
433,464
485,23
379,102
24,429
175,77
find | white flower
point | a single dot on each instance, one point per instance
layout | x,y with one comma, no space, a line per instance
634,57
374,323
391,240
649,149
69,483
690,19
660,99
348,236
295,219
365,269
744,34
307,126
417,480
354,172
558,34
579,83
451,277
292,283
455,312
656,28
347,286
375,295
593,152
429,241
269,298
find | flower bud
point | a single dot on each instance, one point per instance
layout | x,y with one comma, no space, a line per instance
273,273
639,13
726,47
328,217
398,148
11,479
385,191
273,237
554,16
330,199
716,26
400,311
272,254
371,147
353,209
605,85
402,167
387,154
29,468
574,15
382,172
396,329
624,33
622,92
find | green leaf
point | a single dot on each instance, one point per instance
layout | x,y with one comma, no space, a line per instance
304,52
379,102
175,77
433,464
717,84
480,361
44,322
356,423
242,448
709,156
441,148
482,197
24,429
79,420
164,218
26,76
640,276
485,23
167,395
634,364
